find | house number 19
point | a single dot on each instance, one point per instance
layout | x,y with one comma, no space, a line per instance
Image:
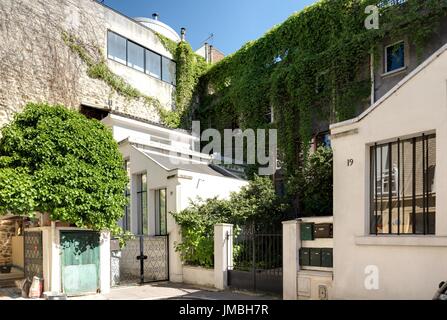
350,162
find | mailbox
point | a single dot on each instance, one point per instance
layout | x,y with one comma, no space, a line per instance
304,257
315,257
327,257
307,231
323,230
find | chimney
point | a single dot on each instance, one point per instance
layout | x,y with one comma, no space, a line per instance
155,16
183,33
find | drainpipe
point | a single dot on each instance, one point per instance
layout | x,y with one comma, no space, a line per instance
373,81
206,52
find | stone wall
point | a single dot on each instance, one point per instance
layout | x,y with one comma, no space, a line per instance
7,230
37,66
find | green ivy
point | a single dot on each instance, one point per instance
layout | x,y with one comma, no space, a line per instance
313,68
57,161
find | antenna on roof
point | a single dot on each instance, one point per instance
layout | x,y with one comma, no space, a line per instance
210,37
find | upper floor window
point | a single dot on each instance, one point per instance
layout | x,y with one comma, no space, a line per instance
395,57
117,48
139,58
402,186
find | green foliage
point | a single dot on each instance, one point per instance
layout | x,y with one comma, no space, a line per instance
256,202
57,161
313,68
316,183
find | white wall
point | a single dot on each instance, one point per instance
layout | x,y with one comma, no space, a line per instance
410,267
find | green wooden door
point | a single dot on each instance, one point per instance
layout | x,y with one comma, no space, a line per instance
80,262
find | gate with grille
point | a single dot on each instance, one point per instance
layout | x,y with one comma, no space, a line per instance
143,259
33,254
257,261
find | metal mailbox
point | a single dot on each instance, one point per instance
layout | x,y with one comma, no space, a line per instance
315,257
304,257
307,231
323,230
327,257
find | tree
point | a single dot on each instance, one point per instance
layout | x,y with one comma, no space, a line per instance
316,183
57,161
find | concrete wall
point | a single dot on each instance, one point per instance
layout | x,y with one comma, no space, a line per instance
37,66
409,267
198,276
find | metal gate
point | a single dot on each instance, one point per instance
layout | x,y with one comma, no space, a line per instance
257,261
33,250
143,259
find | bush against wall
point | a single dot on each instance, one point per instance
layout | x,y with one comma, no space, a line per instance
57,161
255,203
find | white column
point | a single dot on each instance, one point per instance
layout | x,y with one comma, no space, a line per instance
291,245
223,254
104,262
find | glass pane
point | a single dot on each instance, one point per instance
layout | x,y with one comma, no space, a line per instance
168,70
406,178
393,176
153,64
144,213
395,56
116,47
431,183
162,210
135,56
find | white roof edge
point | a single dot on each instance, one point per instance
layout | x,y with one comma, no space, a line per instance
410,76
147,156
151,126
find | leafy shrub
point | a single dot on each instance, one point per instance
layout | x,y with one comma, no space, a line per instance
256,202
57,161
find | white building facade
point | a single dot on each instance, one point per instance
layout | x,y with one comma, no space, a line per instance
390,181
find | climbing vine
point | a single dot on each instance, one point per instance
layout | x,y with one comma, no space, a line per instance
311,69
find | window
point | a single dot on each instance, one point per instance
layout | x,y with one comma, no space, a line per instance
139,58
395,57
126,219
117,48
160,212
143,227
168,67
135,56
402,190
153,64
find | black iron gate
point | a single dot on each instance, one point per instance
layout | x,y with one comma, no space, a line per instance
143,259
33,251
257,261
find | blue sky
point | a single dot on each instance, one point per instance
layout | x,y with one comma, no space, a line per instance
233,22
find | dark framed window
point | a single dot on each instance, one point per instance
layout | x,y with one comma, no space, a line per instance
127,209
402,186
143,225
395,57
137,57
161,212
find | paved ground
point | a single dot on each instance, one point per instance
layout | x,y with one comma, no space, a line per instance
156,291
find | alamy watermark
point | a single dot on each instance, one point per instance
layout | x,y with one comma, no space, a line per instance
248,147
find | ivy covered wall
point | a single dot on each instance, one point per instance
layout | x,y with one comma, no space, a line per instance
312,69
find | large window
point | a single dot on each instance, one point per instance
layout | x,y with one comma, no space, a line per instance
160,212
143,225
403,195
139,58
135,56
395,57
116,48
127,213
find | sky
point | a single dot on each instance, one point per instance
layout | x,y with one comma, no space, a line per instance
233,22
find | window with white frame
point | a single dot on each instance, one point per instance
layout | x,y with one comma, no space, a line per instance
142,209
395,57
160,212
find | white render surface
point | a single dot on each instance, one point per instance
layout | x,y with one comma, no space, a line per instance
410,267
